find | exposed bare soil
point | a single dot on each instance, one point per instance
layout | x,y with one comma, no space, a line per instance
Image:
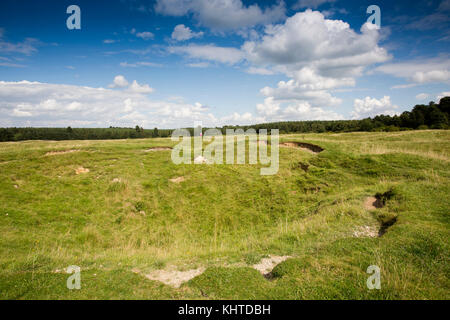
372,203
366,232
302,145
177,180
81,170
55,153
266,265
174,278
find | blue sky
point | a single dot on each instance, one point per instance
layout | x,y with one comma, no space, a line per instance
169,63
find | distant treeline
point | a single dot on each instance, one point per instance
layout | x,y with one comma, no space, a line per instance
18,134
431,116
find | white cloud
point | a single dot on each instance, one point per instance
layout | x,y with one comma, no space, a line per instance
370,107
137,88
292,90
146,35
308,39
198,65
221,15
109,41
181,33
404,86
19,113
119,82
27,103
269,107
210,52
261,71
317,54
442,95
272,110
26,47
431,76
422,96
303,111
128,105
241,119
419,71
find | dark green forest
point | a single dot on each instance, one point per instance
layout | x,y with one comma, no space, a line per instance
421,117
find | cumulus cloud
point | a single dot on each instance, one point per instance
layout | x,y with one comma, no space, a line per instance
210,52
419,71
317,54
181,33
292,90
240,119
42,104
26,103
119,82
371,107
269,107
272,110
137,88
222,15
330,47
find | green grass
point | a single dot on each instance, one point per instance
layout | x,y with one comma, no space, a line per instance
225,218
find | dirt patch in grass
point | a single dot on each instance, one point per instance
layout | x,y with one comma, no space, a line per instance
55,153
81,170
158,149
174,278
177,180
372,203
303,145
266,265
366,232
379,200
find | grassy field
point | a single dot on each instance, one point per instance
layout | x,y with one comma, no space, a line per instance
124,219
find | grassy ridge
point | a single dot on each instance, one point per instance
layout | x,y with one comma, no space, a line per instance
125,214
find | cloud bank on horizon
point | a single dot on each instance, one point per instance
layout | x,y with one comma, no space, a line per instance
171,63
